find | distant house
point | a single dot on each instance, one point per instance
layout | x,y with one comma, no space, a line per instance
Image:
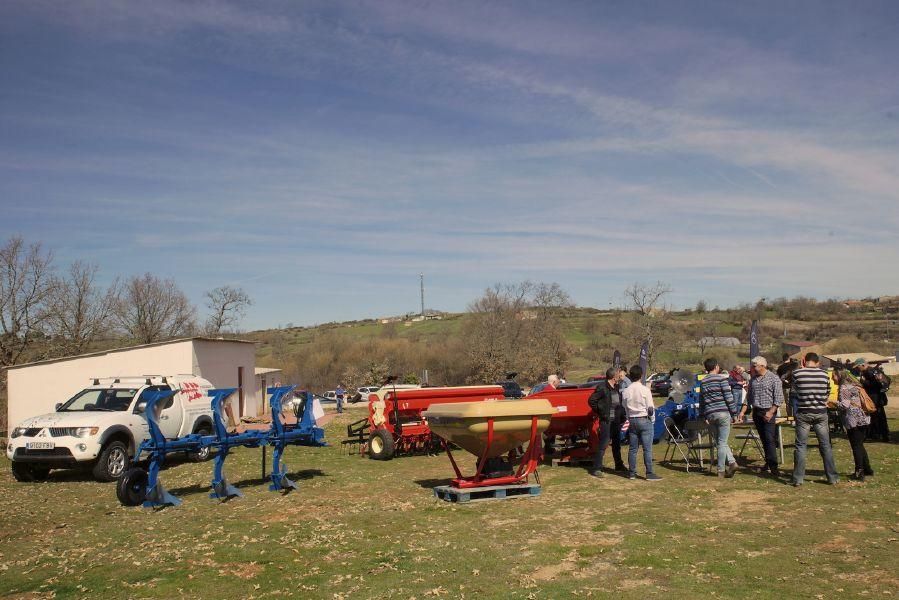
718,342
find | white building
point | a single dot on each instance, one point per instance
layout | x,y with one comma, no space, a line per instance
265,378
37,387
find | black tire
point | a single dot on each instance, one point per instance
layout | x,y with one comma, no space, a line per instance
205,453
380,445
131,488
26,472
112,463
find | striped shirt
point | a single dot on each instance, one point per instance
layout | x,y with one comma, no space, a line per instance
766,391
811,387
715,395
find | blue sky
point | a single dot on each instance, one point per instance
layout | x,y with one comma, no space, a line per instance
322,154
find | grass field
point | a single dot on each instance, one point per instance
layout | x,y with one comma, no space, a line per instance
364,529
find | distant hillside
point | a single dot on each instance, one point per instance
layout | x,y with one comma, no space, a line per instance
592,334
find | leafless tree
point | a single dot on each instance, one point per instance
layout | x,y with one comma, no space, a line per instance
515,327
150,309
227,306
646,298
25,277
650,318
79,311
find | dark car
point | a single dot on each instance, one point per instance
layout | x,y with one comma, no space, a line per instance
511,389
661,386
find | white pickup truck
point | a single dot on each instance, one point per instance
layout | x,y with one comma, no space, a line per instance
102,425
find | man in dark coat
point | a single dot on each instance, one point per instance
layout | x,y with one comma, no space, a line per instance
876,384
606,405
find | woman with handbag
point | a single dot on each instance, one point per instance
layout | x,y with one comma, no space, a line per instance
855,420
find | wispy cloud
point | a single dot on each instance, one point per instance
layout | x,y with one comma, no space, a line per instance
330,145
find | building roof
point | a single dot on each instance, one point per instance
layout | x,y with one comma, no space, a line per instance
265,371
128,348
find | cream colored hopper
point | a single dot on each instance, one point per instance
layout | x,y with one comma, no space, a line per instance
465,423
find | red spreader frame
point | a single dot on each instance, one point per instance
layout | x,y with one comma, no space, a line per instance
526,467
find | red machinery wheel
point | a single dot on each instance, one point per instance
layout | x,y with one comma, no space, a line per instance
380,445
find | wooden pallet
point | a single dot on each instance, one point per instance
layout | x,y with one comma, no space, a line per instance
495,492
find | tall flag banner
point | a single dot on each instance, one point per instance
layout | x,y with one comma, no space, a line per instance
644,358
616,359
754,339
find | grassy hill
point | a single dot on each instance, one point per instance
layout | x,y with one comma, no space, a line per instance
593,335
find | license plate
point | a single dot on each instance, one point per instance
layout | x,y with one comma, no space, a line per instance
40,445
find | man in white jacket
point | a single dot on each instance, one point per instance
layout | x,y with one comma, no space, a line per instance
637,400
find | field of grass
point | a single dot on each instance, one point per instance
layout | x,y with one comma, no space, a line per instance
364,529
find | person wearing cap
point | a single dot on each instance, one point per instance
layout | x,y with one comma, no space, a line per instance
765,397
811,388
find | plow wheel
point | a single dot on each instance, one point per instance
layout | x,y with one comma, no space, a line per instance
131,487
380,445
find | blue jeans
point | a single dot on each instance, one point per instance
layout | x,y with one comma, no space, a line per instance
639,432
339,404
719,425
806,421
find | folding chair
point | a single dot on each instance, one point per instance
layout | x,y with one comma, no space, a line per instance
677,439
695,431
750,435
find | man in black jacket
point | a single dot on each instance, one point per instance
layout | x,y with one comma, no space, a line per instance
606,405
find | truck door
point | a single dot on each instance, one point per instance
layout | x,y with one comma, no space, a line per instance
170,416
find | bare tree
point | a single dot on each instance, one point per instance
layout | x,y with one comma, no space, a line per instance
78,310
25,274
650,320
645,298
150,309
227,305
515,327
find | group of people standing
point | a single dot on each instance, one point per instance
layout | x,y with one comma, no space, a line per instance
727,397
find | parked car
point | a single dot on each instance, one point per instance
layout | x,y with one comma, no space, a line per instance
102,425
297,400
661,386
330,396
511,389
363,393
595,378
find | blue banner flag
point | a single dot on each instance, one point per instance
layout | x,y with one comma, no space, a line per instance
754,339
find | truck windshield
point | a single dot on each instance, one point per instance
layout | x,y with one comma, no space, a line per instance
107,400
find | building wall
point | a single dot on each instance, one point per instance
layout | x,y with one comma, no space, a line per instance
219,362
35,389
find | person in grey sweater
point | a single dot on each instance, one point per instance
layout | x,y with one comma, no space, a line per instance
716,403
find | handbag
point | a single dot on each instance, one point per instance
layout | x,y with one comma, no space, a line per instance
867,405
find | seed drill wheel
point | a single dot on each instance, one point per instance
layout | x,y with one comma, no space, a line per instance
380,445
131,487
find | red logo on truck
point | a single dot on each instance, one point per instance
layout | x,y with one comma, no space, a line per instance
191,391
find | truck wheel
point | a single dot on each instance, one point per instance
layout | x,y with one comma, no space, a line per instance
26,472
131,488
380,445
203,454
112,462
